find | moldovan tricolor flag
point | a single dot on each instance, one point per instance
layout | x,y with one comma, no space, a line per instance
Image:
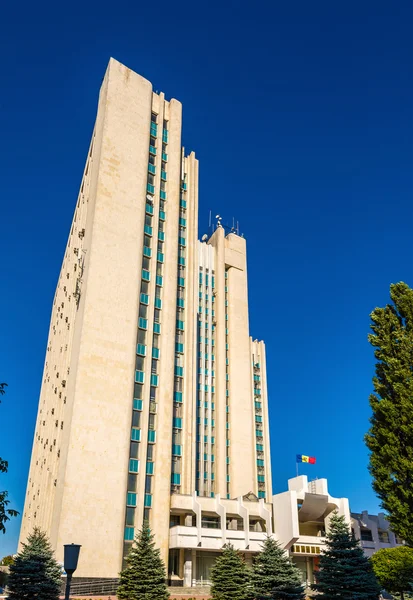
301,458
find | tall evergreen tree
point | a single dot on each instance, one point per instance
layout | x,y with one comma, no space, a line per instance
144,577
390,438
35,573
274,575
230,576
344,570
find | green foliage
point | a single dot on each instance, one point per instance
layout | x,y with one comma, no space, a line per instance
144,577
394,568
290,591
6,561
3,579
230,576
345,572
35,573
274,575
5,513
390,438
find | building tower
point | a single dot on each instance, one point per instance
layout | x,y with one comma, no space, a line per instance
153,402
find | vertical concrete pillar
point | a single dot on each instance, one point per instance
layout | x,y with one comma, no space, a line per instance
310,568
193,567
188,568
181,565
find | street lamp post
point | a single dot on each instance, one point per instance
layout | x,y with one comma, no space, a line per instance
71,557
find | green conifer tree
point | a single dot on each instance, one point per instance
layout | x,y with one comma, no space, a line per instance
390,438
144,577
274,575
230,576
35,573
344,570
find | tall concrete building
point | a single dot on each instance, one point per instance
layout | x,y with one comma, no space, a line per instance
154,399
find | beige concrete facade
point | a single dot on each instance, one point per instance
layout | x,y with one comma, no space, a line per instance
232,389
154,397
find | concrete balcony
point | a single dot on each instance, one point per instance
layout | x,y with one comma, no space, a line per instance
308,545
210,523
211,539
311,539
214,539
183,537
370,545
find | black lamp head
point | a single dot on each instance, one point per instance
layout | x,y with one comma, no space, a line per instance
71,557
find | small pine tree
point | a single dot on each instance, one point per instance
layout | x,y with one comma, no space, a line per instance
274,575
144,577
230,576
344,570
35,572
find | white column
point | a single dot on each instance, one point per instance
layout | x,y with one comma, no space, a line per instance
310,568
188,555
193,567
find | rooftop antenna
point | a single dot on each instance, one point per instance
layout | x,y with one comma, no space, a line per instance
210,218
237,227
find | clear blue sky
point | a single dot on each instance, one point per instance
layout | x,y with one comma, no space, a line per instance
301,116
